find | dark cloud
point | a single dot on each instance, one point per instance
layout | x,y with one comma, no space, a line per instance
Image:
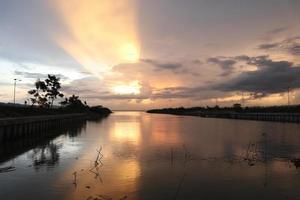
197,62
242,58
37,75
268,46
173,92
175,67
227,65
295,49
163,66
290,45
277,30
257,95
270,77
181,92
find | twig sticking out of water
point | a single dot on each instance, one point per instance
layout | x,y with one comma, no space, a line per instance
185,152
187,155
95,167
75,178
172,155
95,170
99,156
252,154
179,186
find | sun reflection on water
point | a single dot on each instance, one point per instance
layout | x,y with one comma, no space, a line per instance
126,132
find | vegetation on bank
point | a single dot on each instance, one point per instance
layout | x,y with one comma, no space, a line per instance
42,102
237,108
22,111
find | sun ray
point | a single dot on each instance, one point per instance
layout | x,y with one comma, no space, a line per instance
100,33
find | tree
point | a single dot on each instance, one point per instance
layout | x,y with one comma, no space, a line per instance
53,85
74,99
46,92
237,107
73,102
38,93
65,102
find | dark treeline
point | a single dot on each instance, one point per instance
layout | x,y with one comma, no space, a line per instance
42,99
13,111
235,108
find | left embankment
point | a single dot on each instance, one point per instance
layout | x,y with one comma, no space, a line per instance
12,129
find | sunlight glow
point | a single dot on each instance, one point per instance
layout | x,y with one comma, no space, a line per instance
132,88
130,53
99,33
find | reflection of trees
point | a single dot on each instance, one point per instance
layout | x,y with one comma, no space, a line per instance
75,130
39,142
46,155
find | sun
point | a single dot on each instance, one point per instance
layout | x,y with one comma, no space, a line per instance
131,88
130,52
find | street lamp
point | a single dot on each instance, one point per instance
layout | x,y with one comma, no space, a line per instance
15,84
288,95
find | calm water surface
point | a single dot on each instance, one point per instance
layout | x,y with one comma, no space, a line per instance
150,156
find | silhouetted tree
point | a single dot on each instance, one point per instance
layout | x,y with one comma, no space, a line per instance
73,101
53,86
46,92
237,107
38,93
65,102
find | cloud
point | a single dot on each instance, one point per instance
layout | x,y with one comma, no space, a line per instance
290,45
173,92
269,78
197,62
227,65
37,75
277,30
295,49
163,66
94,89
267,46
183,67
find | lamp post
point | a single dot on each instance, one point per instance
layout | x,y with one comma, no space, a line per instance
289,96
15,84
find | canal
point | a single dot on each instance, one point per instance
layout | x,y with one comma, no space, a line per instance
140,156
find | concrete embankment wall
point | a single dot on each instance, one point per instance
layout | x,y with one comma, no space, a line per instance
12,129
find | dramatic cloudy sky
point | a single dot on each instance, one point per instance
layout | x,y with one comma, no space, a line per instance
140,54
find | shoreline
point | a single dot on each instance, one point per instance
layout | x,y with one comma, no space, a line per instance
271,117
15,128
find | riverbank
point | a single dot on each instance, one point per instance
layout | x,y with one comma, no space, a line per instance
11,111
29,122
13,129
275,113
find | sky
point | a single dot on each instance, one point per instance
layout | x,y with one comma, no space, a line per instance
141,54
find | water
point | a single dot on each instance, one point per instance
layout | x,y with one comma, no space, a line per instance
157,157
